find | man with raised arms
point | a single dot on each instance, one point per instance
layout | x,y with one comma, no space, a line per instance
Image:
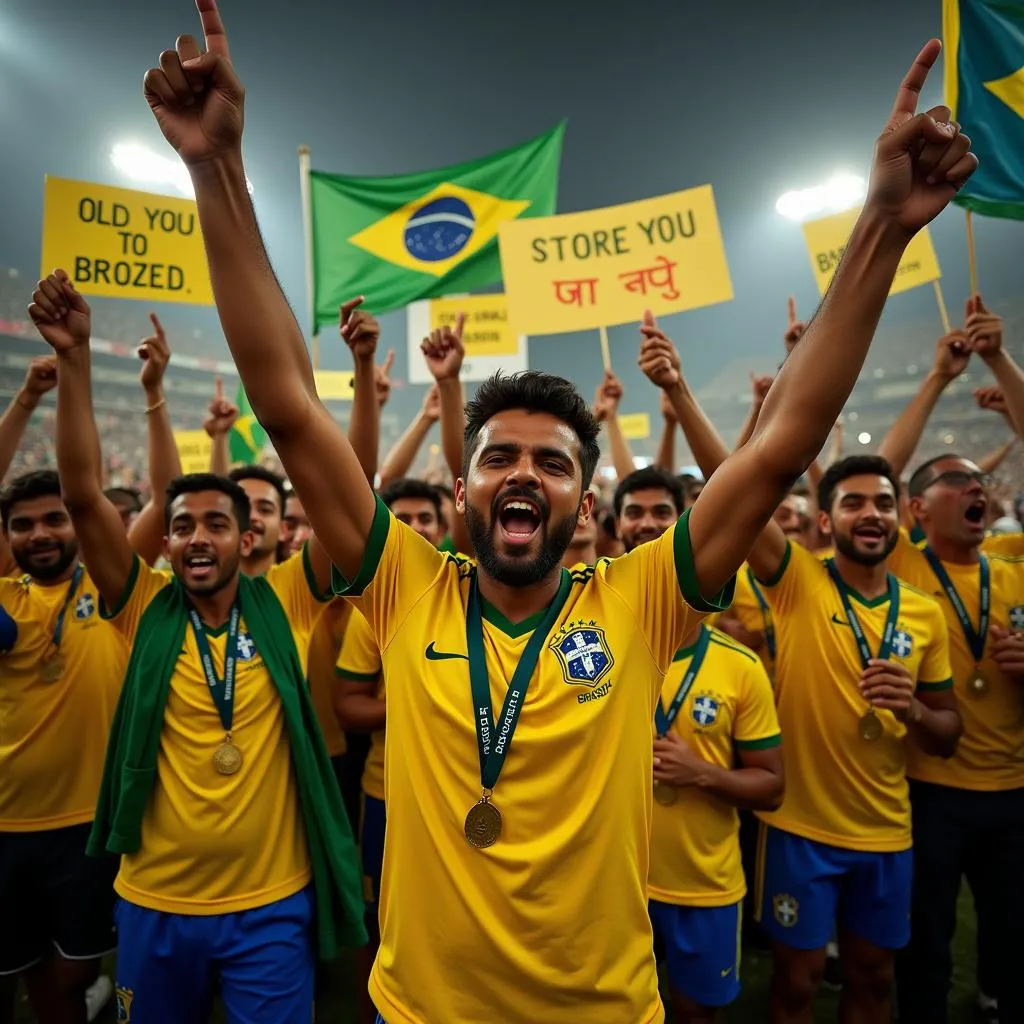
508,851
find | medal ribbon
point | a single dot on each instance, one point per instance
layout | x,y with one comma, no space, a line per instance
58,629
494,738
766,615
975,640
222,690
663,719
855,626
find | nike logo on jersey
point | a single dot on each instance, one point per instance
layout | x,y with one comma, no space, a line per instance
433,654
726,972
838,621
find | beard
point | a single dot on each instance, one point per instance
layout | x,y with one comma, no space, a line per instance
519,571
28,562
846,544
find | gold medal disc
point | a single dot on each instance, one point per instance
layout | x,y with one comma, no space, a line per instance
871,727
978,686
227,758
483,825
53,669
665,794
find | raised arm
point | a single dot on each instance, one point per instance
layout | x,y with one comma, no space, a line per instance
665,457
759,387
951,355
197,100
147,532
221,416
400,459
361,332
991,398
818,375
985,334
606,409
62,317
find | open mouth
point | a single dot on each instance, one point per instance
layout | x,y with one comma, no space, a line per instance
519,519
975,513
200,567
870,534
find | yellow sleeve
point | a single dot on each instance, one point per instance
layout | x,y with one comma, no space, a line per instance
904,557
359,658
1004,544
757,722
144,583
936,672
398,568
799,572
295,585
658,582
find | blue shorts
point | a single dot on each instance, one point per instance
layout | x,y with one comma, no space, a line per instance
805,888
371,840
261,961
702,950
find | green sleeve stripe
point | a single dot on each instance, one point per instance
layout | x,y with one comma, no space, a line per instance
129,587
357,677
307,567
780,572
946,684
766,743
686,572
371,556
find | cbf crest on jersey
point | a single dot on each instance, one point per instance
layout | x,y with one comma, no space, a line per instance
583,652
85,606
705,709
1016,618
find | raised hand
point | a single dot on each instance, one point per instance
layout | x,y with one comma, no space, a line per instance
991,398
221,414
607,397
759,387
155,354
41,377
444,351
382,378
952,353
795,329
658,359
196,97
60,314
668,412
984,329
432,404
921,160
359,329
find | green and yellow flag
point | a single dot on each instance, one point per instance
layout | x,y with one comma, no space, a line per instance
984,77
418,236
247,438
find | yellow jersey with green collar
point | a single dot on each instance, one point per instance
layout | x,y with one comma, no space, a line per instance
754,615
53,734
324,644
1009,544
360,661
990,755
525,925
841,789
695,845
205,847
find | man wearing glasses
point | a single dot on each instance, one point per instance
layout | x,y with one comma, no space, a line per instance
968,810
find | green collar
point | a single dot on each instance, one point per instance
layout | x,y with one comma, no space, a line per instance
506,625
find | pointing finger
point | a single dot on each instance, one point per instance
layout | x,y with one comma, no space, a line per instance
910,88
218,388
213,27
389,360
459,324
346,307
648,320
157,326
791,304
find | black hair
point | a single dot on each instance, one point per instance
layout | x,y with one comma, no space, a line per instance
535,392
853,465
445,491
193,483
921,479
131,493
409,487
40,483
268,476
649,479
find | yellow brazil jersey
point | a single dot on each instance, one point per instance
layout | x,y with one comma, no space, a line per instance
205,847
359,660
53,735
841,789
1011,544
695,846
754,615
552,917
990,755
324,645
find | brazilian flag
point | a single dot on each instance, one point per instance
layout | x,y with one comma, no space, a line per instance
417,236
247,438
984,77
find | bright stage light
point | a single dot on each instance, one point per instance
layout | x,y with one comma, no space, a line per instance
839,193
143,165
864,437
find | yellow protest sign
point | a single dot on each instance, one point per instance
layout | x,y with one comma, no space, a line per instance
125,244
635,426
194,448
603,267
486,331
826,239
334,385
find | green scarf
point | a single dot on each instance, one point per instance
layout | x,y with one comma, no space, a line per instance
130,769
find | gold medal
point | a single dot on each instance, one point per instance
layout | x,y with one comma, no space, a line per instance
483,824
227,758
665,794
871,727
53,669
978,685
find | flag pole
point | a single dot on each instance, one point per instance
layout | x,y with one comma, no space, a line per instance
972,261
307,227
942,306
606,353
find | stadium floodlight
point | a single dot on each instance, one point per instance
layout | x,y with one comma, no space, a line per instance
841,192
141,164
864,437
